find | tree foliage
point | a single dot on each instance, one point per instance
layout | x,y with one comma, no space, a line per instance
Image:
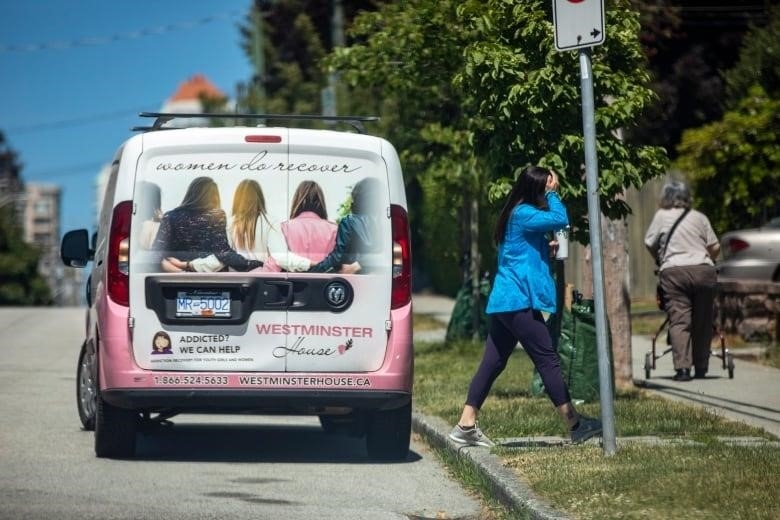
480,91
287,41
688,47
20,282
734,163
468,92
759,62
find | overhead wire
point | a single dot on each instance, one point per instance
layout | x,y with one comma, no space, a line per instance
66,171
104,40
76,121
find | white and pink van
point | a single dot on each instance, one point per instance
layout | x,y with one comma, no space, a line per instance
248,269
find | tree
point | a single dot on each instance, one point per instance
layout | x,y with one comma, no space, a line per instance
478,91
734,162
759,62
20,282
287,41
688,45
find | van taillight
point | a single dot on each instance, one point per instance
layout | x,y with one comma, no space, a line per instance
402,258
119,253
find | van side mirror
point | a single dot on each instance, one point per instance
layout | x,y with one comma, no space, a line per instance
75,250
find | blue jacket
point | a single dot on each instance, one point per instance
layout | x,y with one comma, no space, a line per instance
524,279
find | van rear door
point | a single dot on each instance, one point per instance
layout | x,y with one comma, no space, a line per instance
319,205
208,318
338,318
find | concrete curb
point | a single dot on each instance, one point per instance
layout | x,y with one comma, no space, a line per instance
511,492
505,485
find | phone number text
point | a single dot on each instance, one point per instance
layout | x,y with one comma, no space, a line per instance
190,380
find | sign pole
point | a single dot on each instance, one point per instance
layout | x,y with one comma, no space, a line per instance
594,220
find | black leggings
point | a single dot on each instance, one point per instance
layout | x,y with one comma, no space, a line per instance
506,330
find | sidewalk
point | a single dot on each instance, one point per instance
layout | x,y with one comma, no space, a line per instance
752,396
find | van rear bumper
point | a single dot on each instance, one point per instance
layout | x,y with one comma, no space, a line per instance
254,400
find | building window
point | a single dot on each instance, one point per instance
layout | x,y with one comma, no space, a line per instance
42,207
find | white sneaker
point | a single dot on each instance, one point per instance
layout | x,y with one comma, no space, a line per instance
470,436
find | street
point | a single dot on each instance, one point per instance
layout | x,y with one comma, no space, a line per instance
201,467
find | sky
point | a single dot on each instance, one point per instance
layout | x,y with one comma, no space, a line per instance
75,74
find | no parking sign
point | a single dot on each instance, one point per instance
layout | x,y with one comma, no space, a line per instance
578,23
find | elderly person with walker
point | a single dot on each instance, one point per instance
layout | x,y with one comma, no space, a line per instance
685,247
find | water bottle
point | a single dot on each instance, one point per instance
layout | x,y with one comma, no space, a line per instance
562,236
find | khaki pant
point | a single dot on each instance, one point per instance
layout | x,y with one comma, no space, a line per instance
690,291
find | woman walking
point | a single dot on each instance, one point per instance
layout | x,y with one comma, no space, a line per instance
524,289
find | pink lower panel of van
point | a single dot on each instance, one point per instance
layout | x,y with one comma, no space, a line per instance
118,369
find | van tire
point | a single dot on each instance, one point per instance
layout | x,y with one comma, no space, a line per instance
389,433
86,387
115,430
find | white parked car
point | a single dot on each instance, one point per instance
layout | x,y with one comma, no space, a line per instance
752,254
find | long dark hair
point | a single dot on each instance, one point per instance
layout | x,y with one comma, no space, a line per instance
202,194
308,197
529,187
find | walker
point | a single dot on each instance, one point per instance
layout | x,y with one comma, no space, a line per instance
726,357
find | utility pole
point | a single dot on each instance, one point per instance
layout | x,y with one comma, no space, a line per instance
329,93
258,58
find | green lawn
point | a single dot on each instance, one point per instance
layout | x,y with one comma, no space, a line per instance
701,478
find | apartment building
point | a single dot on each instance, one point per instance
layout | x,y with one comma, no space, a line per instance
41,225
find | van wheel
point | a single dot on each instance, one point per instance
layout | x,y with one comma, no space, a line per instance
389,433
114,430
86,387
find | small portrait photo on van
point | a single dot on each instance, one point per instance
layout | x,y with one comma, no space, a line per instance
161,343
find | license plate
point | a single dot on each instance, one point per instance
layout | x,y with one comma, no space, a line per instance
203,304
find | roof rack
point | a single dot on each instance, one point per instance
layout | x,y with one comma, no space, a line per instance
163,117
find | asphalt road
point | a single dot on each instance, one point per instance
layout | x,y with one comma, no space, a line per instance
203,467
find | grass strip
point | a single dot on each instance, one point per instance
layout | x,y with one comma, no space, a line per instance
706,479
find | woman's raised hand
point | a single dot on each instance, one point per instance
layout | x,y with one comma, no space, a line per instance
552,181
